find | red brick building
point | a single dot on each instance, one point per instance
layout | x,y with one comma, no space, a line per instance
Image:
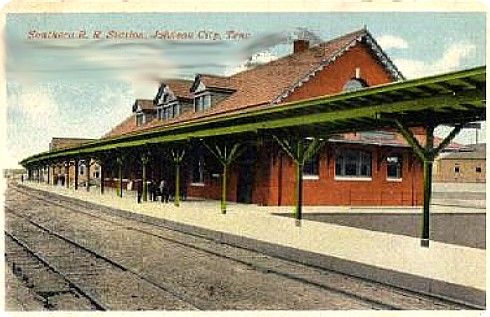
359,168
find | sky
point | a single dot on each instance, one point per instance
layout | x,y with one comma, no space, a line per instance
84,86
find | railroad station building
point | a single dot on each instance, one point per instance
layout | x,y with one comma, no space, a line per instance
358,168
366,167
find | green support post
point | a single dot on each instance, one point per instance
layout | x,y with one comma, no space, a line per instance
427,155
226,158
300,152
223,188
67,174
87,164
76,174
101,170
427,197
48,176
177,156
144,161
119,161
299,184
428,162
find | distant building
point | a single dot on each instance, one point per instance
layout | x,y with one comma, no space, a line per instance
14,173
466,165
62,143
58,172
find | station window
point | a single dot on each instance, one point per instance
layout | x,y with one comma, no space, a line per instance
310,169
202,102
394,167
169,111
81,169
478,169
176,109
353,163
140,119
456,169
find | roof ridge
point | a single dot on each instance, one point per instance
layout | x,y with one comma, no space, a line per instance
214,75
175,79
339,37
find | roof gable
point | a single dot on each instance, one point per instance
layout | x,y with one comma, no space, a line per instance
171,89
337,48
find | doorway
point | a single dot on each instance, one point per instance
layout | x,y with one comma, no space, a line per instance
245,178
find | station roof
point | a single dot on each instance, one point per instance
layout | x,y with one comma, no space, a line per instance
266,84
451,98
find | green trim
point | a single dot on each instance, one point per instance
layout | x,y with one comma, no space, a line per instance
225,158
177,157
340,110
300,152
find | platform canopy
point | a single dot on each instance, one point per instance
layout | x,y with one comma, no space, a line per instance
452,98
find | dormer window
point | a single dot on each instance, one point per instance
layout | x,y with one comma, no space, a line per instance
202,102
144,111
169,111
140,119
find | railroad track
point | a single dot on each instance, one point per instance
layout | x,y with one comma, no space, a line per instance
93,275
353,287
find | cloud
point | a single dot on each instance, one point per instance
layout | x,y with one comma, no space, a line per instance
33,101
390,41
450,60
256,59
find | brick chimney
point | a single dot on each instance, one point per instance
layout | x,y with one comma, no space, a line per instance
300,46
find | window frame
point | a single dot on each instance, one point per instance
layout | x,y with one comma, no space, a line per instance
360,163
399,167
140,119
202,101
458,167
314,161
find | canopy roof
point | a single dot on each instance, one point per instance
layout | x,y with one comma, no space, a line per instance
443,99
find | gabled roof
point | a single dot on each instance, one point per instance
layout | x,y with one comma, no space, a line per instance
180,87
212,81
61,143
270,83
144,104
128,125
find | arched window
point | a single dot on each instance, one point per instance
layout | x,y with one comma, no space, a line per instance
354,84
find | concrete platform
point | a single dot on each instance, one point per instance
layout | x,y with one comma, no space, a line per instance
465,229
445,269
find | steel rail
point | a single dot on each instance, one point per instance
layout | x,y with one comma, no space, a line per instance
252,265
112,262
92,298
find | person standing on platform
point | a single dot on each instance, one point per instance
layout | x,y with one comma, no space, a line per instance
164,190
138,186
151,189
